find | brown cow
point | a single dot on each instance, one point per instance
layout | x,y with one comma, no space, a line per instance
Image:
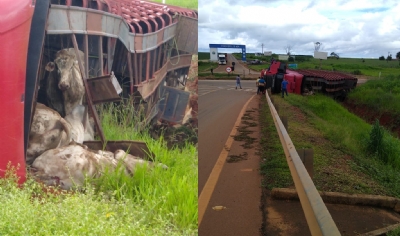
71,83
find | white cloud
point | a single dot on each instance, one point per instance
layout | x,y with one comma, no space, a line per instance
353,28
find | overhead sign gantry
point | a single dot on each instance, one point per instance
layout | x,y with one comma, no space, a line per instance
214,50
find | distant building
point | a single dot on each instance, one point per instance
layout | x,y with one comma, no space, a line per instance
268,53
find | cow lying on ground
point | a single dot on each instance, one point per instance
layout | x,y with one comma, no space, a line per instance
70,83
49,130
67,167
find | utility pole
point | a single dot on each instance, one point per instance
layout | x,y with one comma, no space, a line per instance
262,48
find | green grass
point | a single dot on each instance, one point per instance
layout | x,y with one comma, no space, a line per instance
349,135
204,55
274,166
192,4
206,66
370,67
379,95
152,202
395,232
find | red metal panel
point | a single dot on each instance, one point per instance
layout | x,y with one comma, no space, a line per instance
15,23
297,81
291,85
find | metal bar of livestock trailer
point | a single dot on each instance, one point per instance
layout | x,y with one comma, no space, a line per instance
318,218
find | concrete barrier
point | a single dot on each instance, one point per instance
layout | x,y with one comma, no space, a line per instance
343,198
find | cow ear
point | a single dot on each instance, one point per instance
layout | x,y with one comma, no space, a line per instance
50,66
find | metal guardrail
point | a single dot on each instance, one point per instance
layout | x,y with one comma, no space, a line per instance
318,218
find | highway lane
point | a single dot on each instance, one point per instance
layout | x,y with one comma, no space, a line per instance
240,67
219,106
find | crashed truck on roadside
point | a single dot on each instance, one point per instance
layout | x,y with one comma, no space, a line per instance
125,48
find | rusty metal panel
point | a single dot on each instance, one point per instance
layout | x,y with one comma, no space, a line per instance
136,148
150,41
180,61
169,32
174,104
58,22
147,88
93,22
187,34
102,89
111,25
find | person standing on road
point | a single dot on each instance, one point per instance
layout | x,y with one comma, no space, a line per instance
261,86
284,87
238,82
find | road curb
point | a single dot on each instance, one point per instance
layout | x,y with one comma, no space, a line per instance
343,198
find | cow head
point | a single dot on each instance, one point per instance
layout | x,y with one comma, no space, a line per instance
66,61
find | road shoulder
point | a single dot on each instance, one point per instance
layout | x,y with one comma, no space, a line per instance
236,198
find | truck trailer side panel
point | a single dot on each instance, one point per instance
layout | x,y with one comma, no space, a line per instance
15,26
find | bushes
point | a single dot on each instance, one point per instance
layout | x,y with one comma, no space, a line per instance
385,147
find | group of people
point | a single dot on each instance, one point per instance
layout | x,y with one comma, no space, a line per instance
261,85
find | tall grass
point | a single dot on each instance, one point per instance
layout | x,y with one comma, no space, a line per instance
167,192
192,4
375,150
379,94
151,202
384,146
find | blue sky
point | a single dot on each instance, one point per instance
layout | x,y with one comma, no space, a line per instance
352,28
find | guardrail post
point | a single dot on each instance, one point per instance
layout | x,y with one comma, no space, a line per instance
285,122
318,218
307,157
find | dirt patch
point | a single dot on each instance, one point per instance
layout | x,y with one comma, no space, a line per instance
237,158
244,131
175,136
390,121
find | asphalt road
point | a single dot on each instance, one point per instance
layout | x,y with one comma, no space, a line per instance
219,106
239,67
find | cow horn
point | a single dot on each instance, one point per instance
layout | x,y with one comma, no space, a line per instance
50,66
67,128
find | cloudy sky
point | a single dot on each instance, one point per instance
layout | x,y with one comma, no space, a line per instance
350,28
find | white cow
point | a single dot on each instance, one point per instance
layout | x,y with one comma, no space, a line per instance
68,166
71,83
76,119
48,130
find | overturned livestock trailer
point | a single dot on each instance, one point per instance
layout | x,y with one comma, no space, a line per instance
304,81
125,48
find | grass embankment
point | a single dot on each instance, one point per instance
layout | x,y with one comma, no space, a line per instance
152,202
350,155
182,3
379,95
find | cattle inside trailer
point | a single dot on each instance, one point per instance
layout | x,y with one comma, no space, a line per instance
142,48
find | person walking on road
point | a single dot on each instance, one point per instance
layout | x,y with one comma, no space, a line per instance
238,82
284,87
